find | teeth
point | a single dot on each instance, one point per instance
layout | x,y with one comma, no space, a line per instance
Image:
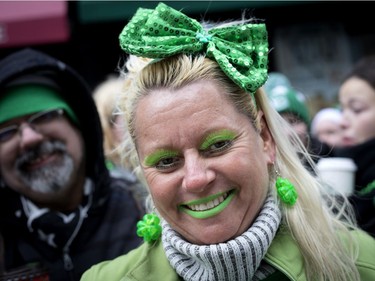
39,159
209,205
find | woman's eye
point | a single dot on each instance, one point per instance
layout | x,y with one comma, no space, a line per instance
167,163
219,146
357,110
217,141
357,107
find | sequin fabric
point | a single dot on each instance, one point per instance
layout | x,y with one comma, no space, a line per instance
241,50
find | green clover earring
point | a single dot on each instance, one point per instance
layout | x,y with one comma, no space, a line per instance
149,228
286,190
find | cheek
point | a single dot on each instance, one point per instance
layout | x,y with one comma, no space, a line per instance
165,197
300,128
75,147
253,171
162,195
365,123
163,187
7,158
118,133
368,129
8,171
254,187
76,152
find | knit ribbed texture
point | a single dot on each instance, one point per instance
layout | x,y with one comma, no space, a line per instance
238,259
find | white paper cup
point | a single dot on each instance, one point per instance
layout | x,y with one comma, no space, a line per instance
339,173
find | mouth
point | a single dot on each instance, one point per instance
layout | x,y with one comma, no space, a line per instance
347,141
209,206
40,161
41,155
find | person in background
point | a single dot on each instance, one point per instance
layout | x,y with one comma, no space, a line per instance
233,199
289,103
357,102
105,96
114,133
60,210
326,126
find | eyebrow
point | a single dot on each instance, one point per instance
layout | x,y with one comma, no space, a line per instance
155,157
214,137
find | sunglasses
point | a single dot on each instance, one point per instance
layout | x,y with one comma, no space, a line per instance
34,121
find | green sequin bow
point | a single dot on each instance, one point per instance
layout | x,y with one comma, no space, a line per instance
241,50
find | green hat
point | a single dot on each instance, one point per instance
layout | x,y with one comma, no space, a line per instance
284,98
22,100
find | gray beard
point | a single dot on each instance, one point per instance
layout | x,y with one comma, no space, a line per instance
48,179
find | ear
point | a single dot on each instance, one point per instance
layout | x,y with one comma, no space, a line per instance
269,147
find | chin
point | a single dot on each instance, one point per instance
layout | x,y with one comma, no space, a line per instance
214,237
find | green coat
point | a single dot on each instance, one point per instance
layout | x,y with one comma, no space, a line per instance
148,262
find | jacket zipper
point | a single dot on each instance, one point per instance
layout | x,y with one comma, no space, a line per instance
68,263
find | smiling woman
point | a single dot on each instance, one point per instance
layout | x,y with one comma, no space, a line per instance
234,200
201,166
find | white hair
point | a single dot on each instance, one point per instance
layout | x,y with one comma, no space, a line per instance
323,115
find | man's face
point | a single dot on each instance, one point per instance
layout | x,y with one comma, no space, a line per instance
42,158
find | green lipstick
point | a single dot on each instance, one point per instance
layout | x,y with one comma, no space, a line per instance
210,212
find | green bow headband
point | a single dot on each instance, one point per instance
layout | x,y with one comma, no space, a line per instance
241,51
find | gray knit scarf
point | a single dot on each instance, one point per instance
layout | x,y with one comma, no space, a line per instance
238,259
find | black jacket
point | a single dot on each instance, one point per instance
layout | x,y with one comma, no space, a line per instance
108,230
363,198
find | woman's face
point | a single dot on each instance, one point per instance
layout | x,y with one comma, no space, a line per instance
205,164
118,130
357,99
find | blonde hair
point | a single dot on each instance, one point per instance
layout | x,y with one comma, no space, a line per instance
105,96
316,219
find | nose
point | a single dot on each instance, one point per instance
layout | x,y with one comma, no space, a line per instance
344,122
197,175
29,136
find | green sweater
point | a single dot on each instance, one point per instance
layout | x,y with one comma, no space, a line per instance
148,262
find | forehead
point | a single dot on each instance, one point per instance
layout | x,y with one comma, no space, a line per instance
356,89
191,110
197,96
